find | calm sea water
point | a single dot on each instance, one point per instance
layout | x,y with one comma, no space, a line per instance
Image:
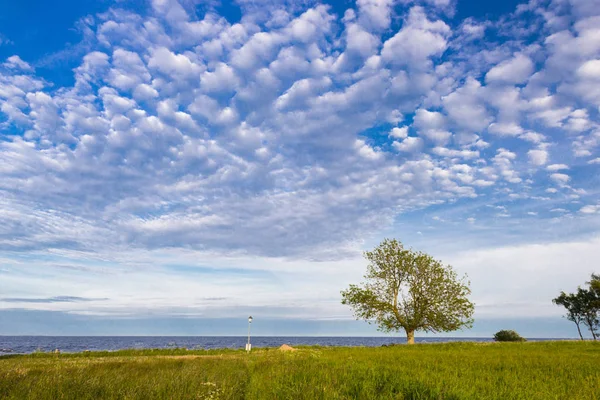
28,344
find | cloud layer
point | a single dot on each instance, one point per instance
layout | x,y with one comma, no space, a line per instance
301,132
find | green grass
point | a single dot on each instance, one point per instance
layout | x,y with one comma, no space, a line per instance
550,370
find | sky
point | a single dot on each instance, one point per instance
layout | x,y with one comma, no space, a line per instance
173,166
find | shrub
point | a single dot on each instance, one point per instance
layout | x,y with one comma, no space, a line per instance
508,336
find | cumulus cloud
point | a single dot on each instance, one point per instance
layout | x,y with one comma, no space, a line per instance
409,144
515,70
279,146
557,167
538,157
375,14
15,62
560,178
590,209
399,133
417,41
280,134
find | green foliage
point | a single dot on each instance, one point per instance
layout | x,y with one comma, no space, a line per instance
410,290
594,289
508,336
532,371
575,308
583,307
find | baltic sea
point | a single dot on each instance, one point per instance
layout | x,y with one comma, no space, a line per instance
29,344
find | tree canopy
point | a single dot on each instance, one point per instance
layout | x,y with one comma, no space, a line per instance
410,290
575,308
583,306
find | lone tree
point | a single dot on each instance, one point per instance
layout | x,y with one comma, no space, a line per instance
410,290
575,309
583,307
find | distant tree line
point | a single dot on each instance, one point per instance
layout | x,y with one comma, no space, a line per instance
583,306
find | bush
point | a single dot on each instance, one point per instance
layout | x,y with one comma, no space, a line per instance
508,336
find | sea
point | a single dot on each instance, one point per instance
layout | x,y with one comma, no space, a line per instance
74,344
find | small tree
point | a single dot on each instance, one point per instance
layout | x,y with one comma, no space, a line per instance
575,309
590,310
583,307
594,284
410,290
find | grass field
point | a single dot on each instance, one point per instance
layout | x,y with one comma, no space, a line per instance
551,370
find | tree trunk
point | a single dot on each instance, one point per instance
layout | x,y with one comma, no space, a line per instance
579,330
410,337
590,325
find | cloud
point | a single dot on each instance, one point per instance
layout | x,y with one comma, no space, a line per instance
524,262
56,299
560,178
375,14
590,209
292,135
589,70
409,144
399,133
516,70
15,62
538,157
557,167
505,129
417,41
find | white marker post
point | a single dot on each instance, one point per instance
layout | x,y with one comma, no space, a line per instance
248,345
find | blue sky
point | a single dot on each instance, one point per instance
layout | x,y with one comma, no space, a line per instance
169,167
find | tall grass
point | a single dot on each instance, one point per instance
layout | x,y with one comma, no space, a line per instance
551,370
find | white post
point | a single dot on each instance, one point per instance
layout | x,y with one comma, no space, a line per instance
248,345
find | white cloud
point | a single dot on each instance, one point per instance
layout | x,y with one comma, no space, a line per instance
589,70
535,265
375,14
557,167
222,79
505,129
516,70
360,41
538,157
417,41
174,65
399,133
466,108
129,70
590,209
15,62
504,162
560,178
431,125
278,137
410,144
444,152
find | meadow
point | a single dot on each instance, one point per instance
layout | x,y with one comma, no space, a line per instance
536,370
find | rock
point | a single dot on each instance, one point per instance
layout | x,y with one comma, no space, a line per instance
285,347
